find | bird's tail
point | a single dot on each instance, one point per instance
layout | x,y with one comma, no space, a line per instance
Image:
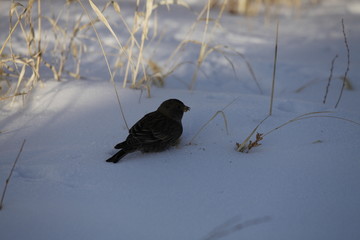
117,156
120,145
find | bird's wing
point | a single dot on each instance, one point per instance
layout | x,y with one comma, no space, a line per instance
154,127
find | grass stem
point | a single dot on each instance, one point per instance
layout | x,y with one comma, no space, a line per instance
274,70
348,63
11,171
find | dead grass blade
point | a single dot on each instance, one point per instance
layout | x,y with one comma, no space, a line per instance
203,48
11,171
311,115
39,50
246,145
21,76
347,65
330,78
103,19
212,118
12,96
107,62
144,36
12,29
274,70
217,113
302,116
219,48
187,36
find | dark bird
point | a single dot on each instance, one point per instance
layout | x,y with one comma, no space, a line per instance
155,132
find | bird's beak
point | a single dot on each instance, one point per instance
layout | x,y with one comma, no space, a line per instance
186,108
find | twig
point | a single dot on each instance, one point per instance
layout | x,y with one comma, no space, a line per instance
243,146
330,77
11,171
348,62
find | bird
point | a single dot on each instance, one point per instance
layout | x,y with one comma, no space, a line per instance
155,132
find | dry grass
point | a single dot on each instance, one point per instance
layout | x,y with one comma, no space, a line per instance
27,67
58,42
247,144
20,71
254,7
346,83
206,46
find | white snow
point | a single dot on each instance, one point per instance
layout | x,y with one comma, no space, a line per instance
301,183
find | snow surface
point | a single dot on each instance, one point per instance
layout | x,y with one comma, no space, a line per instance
301,183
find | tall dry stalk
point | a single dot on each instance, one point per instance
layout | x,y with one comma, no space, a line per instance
203,47
246,145
39,51
274,70
144,36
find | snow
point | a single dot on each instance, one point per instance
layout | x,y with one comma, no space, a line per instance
301,183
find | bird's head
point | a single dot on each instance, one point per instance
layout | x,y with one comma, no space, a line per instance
173,108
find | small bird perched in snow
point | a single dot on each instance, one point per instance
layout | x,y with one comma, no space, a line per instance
155,132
